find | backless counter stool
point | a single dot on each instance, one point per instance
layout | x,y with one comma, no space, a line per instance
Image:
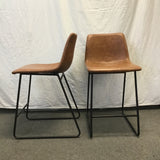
49,70
106,54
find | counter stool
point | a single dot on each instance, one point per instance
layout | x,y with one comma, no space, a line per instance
108,54
56,69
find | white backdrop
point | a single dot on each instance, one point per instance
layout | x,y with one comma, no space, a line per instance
35,31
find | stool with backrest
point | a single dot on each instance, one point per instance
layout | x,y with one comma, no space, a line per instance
108,54
55,69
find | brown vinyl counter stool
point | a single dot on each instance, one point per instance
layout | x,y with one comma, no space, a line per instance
106,54
56,69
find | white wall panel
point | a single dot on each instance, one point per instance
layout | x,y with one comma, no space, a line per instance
36,31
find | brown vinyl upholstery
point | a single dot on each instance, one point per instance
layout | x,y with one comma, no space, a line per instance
60,67
108,53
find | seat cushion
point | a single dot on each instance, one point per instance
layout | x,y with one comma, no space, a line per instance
37,68
112,67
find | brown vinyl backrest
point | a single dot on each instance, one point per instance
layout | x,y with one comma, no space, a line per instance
106,48
68,52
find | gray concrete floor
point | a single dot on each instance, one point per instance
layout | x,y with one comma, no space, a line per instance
113,139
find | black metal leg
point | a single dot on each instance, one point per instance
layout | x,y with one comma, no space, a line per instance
27,105
124,84
88,90
90,117
17,105
72,96
89,114
70,107
91,107
28,99
137,133
137,106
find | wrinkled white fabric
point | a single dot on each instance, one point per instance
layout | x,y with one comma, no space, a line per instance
36,32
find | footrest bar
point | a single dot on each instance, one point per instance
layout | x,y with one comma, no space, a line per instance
49,137
60,118
110,116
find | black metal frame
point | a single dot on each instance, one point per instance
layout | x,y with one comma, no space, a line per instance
90,109
27,111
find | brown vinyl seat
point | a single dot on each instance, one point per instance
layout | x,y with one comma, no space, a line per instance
60,67
108,53
54,69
